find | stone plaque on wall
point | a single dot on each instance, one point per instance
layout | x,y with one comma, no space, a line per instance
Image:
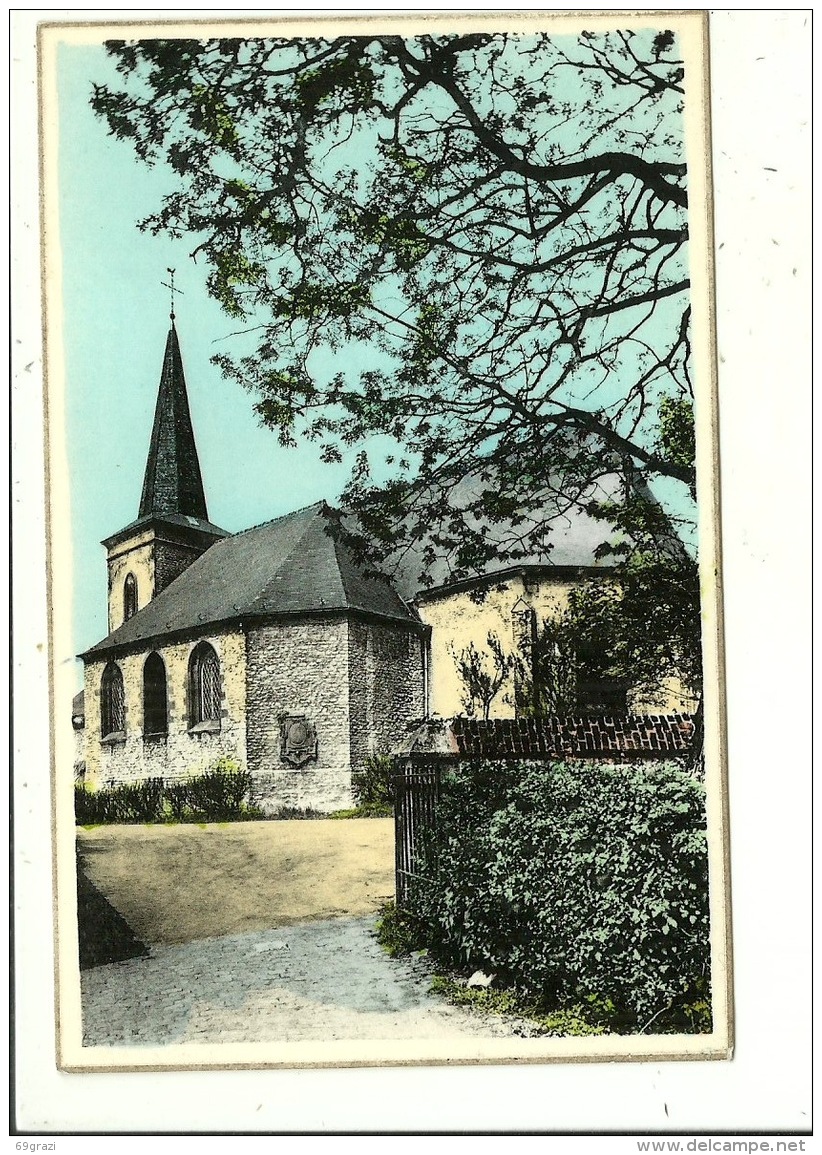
299,740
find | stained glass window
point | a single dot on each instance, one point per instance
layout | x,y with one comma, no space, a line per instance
204,685
112,701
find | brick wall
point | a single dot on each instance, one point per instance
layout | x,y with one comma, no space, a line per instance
181,752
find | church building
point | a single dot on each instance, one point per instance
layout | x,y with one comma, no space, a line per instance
274,647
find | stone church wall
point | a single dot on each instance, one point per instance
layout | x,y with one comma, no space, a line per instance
359,684
170,560
137,558
299,669
181,752
386,677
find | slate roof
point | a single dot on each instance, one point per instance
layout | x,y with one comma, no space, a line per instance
571,542
295,565
572,537
179,520
173,483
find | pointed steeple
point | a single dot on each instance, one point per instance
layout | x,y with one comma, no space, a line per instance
173,483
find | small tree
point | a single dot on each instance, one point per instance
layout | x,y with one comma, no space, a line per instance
482,674
546,679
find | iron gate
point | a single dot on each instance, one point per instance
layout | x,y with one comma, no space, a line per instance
416,790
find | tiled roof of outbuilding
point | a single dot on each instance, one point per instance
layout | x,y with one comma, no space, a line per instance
632,736
294,565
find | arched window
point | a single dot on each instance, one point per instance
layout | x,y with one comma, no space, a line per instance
112,702
203,685
155,696
129,597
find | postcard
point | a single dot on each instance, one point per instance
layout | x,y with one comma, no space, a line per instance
386,621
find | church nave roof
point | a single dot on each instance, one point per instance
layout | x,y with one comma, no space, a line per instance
295,565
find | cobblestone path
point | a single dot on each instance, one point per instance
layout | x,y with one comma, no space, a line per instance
319,980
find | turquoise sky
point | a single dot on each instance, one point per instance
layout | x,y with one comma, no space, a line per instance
115,327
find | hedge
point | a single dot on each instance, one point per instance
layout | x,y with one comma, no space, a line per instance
573,881
218,795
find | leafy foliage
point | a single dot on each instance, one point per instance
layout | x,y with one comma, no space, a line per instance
398,932
574,882
130,803
501,218
220,793
372,785
647,627
547,674
640,633
489,232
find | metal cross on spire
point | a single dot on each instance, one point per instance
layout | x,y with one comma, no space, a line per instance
170,286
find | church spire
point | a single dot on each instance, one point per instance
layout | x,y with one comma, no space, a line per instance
173,483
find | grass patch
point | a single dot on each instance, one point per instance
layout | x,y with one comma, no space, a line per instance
575,1021
589,1016
398,933
294,813
366,810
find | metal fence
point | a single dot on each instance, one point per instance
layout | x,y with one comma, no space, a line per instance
416,790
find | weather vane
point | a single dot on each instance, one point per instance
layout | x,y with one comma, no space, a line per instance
172,289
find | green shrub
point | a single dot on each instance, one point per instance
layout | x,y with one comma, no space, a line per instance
218,795
372,786
86,806
398,932
128,803
574,882
176,796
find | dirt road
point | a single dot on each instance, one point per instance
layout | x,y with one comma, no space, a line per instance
176,884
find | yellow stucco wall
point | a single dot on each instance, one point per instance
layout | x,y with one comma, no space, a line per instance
671,698
181,752
466,616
